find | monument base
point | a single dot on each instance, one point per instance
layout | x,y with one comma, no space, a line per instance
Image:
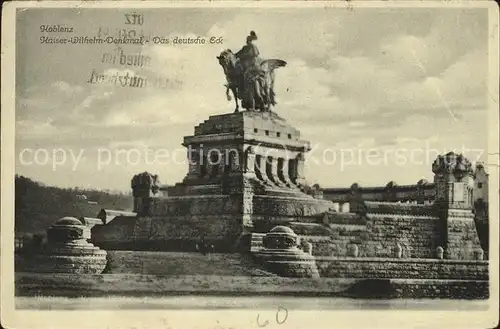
67,250
288,263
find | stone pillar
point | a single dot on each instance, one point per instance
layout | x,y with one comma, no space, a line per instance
283,171
453,180
221,164
274,177
300,164
248,163
454,184
144,187
193,156
356,202
390,192
421,191
292,170
213,163
260,167
439,252
249,160
203,164
234,160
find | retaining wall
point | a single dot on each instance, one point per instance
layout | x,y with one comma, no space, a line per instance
349,267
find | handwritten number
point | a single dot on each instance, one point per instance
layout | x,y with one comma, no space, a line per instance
261,325
278,315
280,319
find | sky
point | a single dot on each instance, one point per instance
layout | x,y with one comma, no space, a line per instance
378,92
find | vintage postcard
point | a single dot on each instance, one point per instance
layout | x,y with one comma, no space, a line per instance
250,164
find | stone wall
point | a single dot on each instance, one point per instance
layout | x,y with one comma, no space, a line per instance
269,211
179,223
169,233
376,235
114,234
300,207
194,228
418,288
461,236
349,267
459,289
197,205
418,236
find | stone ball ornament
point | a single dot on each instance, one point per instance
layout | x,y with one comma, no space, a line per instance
422,182
355,187
391,184
67,229
280,237
439,252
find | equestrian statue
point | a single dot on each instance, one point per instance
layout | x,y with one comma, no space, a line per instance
250,78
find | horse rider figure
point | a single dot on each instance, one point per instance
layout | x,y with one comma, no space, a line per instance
248,60
250,78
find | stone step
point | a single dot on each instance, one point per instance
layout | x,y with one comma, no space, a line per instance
256,242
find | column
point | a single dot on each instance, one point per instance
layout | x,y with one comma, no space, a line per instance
221,164
453,175
194,169
260,167
283,171
249,160
300,160
292,170
143,190
204,167
213,163
273,175
233,160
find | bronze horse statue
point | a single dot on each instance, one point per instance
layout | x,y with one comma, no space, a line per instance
254,87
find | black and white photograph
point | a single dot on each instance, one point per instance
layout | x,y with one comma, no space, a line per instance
286,160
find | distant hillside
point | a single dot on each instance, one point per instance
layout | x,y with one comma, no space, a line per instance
38,206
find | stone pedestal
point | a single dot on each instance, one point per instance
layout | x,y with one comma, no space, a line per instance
282,256
242,178
144,187
454,185
67,250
